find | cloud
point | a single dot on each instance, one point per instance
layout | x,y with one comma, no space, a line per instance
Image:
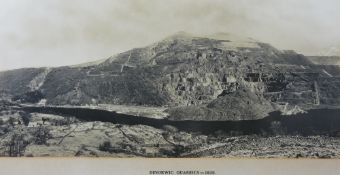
62,32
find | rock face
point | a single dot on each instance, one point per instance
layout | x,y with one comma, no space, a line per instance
217,77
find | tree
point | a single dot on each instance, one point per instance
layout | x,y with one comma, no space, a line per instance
41,135
16,146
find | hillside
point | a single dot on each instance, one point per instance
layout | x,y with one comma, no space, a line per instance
216,77
325,60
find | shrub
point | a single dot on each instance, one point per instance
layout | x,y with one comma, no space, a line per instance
41,135
105,146
176,151
11,121
26,117
167,152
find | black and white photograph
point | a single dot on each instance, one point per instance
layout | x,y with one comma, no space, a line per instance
170,79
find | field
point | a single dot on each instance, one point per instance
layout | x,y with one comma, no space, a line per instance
40,135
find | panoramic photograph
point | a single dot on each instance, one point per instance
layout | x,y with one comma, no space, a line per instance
170,79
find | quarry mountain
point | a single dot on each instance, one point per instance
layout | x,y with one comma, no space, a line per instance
219,77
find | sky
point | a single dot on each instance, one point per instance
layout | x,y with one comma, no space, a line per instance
38,33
